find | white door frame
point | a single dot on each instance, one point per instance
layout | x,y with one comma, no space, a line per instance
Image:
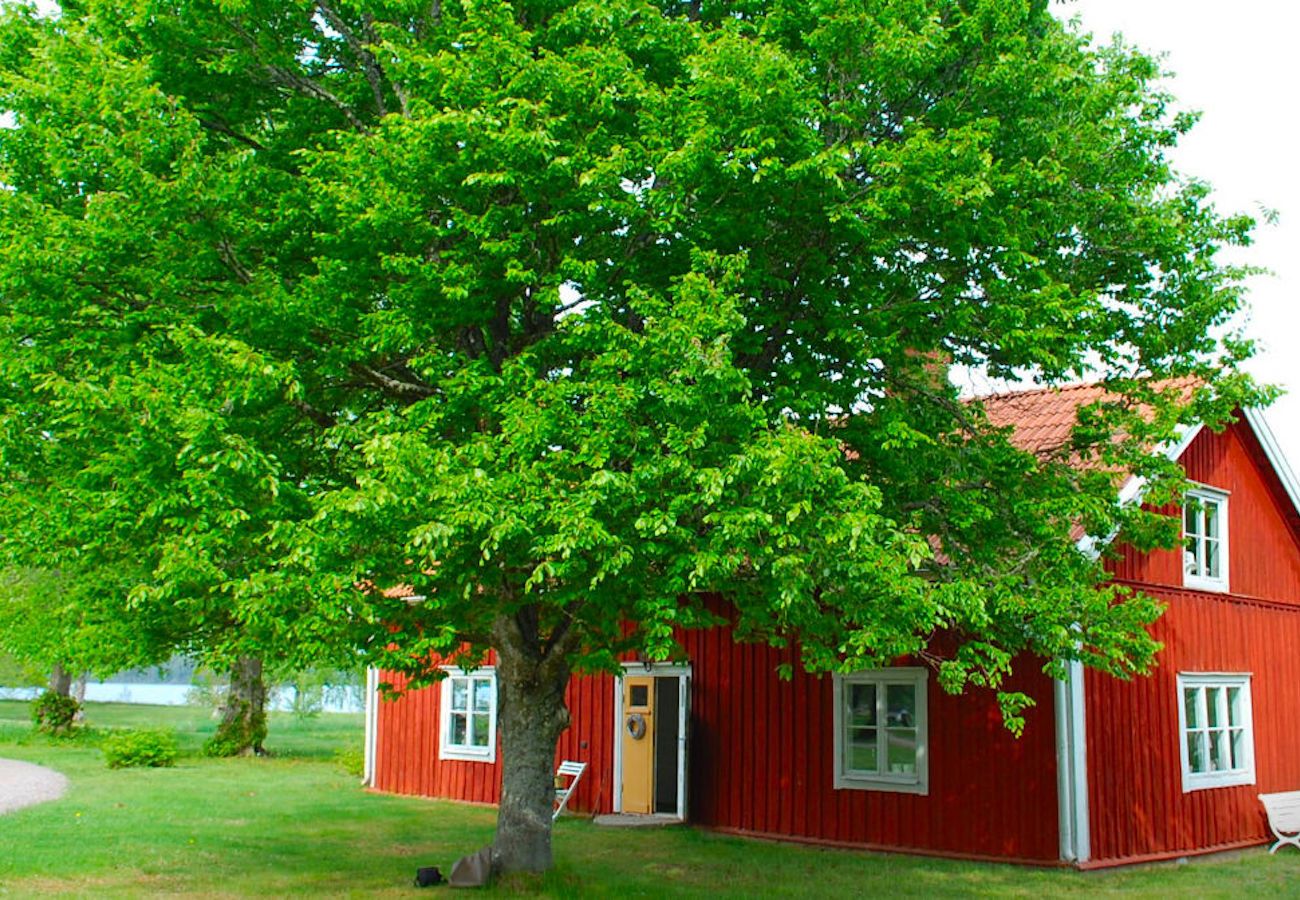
656,670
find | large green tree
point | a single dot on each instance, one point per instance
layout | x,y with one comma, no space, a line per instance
567,315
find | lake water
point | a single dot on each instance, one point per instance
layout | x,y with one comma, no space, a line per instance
336,699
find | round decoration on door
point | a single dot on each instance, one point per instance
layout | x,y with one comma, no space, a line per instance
636,726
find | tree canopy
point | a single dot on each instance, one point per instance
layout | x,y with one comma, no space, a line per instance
566,315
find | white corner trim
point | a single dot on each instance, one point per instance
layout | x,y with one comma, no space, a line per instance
1259,424
372,726
1079,731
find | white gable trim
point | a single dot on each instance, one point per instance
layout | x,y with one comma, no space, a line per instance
1135,487
1258,424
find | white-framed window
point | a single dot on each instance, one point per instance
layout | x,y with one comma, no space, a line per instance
880,730
1205,539
468,729
1215,726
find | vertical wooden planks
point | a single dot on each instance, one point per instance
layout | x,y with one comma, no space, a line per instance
1138,805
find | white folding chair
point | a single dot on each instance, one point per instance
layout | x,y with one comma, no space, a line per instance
573,771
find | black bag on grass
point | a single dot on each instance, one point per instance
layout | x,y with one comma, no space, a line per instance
427,876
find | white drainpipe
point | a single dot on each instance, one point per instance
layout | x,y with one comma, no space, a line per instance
1072,767
372,725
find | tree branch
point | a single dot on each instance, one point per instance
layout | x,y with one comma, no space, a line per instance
393,385
222,128
374,74
305,86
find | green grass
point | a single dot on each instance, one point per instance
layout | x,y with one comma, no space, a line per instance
296,824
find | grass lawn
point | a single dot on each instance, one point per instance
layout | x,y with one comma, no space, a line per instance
298,824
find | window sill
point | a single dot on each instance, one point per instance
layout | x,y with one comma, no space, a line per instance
867,783
1214,585
1218,780
465,755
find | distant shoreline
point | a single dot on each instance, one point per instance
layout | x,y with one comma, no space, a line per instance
176,695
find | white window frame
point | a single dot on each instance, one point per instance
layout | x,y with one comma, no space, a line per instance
1219,498
1245,773
917,782
467,753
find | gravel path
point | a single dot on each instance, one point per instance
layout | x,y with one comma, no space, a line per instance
22,784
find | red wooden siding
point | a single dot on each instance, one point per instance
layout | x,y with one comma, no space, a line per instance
406,751
1136,795
1263,540
762,757
1136,798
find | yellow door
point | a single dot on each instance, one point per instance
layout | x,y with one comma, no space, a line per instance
638,745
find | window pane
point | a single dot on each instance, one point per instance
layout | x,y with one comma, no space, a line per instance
862,751
1219,760
1191,516
482,694
1192,707
1195,753
901,746
862,704
1211,518
1212,569
458,724
480,737
900,704
1212,706
1236,714
1238,745
459,693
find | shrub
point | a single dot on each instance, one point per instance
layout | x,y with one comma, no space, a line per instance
220,747
55,713
129,749
351,761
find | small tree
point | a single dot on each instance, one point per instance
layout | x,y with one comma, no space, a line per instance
568,314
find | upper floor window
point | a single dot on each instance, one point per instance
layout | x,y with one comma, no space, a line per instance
1217,732
880,730
469,715
1205,539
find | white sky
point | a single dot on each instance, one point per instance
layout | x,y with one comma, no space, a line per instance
1235,62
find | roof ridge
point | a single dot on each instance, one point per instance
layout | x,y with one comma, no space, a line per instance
1044,389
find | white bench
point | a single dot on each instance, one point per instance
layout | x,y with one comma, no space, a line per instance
1283,817
573,771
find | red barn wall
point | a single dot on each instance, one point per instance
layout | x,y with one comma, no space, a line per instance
1263,550
762,757
1136,798
406,749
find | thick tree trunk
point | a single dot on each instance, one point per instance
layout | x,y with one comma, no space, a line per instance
79,694
60,681
530,716
243,719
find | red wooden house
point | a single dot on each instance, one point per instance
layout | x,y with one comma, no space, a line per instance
1107,771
